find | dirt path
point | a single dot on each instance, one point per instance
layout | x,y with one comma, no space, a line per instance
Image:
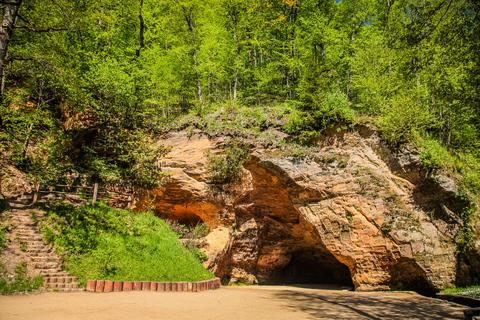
249,303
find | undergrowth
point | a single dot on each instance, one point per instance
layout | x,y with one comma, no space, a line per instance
112,244
226,165
20,282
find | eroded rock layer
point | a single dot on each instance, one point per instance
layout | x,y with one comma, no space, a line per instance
352,212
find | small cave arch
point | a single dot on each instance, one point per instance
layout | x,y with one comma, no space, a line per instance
313,266
185,217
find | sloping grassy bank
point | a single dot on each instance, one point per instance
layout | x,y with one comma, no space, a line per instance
113,244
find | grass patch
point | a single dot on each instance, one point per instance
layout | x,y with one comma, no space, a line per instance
113,244
20,282
473,291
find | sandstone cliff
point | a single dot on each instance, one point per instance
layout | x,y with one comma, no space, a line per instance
351,212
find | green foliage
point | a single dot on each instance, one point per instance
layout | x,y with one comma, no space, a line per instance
20,282
227,165
473,291
403,119
113,244
332,108
433,156
3,236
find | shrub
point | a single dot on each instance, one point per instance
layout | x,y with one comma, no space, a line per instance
433,156
403,119
333,108
226,166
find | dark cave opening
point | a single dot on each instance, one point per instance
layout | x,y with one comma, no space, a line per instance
314,267
185,218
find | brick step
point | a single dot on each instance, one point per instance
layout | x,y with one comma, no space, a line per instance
62,285
57,274
30,234
46,265
30,239
52,272
33,243
38,250
26,231
39,245
24,224
66,289
45,259
20,217
60,279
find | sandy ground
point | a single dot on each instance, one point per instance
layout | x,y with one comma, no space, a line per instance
228,303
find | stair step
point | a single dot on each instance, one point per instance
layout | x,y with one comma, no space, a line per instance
26,231
60,279
46,265
25,224
56,274
36,245
62,285
44,259
30,238
38,250
49,272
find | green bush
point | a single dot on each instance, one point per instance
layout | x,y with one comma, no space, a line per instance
331,109
403,119
433,156
112,244
226,166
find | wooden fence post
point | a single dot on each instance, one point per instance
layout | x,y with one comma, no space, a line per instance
95,191
35,195
129,205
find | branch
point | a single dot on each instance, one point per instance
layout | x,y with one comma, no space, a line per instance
18,58
41,30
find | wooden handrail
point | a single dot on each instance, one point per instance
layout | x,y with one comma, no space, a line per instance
65,186
95,192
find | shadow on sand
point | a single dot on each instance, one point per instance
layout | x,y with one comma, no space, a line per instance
330,302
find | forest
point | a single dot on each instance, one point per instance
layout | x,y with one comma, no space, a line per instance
86,85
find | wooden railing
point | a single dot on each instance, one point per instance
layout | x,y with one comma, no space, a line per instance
93,192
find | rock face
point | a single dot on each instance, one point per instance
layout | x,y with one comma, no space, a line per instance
351,212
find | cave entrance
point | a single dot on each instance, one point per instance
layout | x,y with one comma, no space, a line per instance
186,218
314,266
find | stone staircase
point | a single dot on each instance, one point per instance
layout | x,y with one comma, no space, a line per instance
43,260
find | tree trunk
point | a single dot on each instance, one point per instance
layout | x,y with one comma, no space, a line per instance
237,62
189,19
27,141
10,13
352,52
142,27
389,5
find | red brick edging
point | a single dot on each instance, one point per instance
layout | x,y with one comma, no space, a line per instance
115,286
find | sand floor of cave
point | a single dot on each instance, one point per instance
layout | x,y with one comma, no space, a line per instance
262,302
